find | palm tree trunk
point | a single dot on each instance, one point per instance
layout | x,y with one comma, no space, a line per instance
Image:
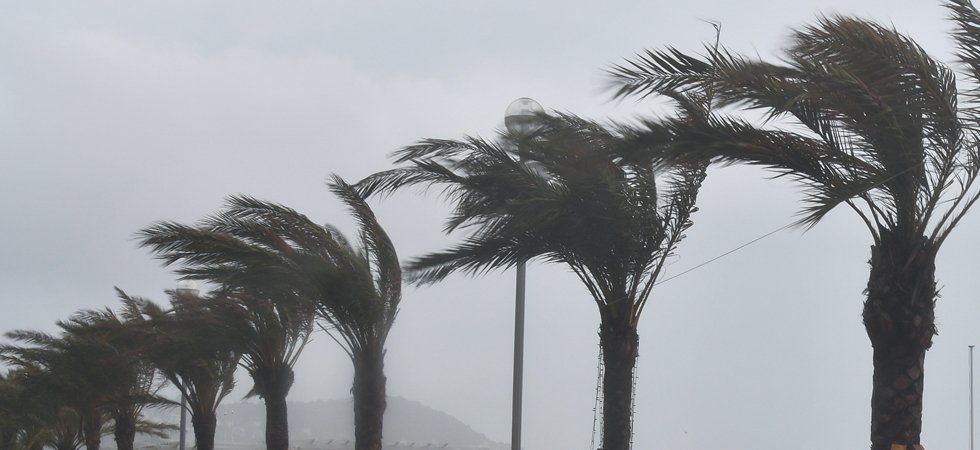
273,384
125,432
92,432
899,316
620,343
369,399
204,423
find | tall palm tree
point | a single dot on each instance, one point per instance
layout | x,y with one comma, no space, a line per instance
861,116
266,249
182,343
577,197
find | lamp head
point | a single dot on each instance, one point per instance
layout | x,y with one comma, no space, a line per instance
521,116
187,287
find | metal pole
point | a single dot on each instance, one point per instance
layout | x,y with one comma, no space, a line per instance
520,119
971,397
515,427
182,443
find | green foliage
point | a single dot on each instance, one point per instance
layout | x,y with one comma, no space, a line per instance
574,193
256,249
185,345
69,386
857,112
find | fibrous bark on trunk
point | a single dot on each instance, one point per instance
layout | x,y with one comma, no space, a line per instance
369,400
125,429
899,316
620,344
204,423
92,432
273,384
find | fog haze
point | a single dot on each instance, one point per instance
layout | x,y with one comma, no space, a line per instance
114,115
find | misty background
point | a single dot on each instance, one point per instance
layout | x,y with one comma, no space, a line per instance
114,115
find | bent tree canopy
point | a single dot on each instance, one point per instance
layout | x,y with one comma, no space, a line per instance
579,194
861,116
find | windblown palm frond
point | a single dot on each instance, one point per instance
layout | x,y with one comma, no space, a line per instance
265,249
884,133
860,115
185,344
571,195
88,369
573,192
275,268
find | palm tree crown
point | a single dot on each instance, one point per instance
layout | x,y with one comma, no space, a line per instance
869,120
185,344
575,193
255,248
860,115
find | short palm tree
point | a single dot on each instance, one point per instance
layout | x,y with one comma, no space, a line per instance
67,372
266,250
863,117
62,429
577,197
90,370
269,335
16,415
29,421
135,384
181,342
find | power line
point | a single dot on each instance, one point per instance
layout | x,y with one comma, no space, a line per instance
753,241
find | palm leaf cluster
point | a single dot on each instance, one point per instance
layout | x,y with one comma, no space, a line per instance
186,344
75,386
861,115
257,248
274,269
573,192
571,195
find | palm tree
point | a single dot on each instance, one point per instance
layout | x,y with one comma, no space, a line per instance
67,373
27,422
12,416
87,372
864,118
578,197
135,381
267,250
182,343
270,335
63,429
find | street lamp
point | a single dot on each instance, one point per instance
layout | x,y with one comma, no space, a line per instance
520,118
184,288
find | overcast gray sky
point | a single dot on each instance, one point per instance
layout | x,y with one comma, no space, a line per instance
114,115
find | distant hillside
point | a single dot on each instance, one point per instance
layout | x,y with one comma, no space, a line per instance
330,425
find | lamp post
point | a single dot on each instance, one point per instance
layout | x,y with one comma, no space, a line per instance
520,119
971,397
188,288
